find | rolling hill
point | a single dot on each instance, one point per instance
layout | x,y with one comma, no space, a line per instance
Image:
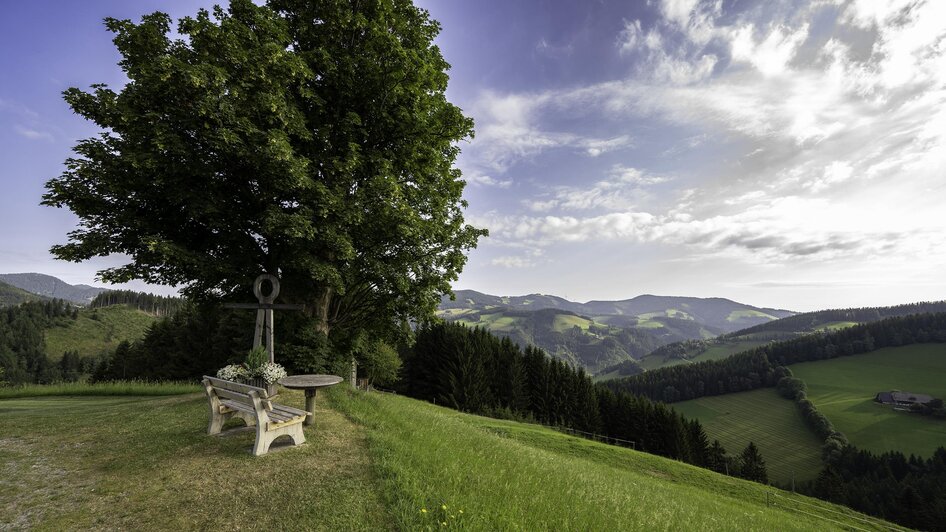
52,287
96,331
696,350
600,334
11,295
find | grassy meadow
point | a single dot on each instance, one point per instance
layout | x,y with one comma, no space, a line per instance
843,389
762,416
371,462
717,351
97,330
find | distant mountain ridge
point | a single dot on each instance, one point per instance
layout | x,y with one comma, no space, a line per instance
716,312
52,287
598,334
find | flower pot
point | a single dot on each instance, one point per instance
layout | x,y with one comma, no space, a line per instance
260,383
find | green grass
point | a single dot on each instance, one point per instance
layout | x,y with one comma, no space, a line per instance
99,389
507,476
726,350
764,417
96,331
371,462
564,322
835,326
737,315
145,463
843,389
715,352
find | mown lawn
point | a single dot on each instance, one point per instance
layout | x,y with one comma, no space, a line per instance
766,418
144,463
843,389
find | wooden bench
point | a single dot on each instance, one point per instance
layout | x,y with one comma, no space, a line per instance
254,406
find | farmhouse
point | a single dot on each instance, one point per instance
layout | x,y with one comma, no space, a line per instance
902,398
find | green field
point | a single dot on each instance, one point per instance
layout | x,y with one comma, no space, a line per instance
766,418
835,326
717,351
97,330
843,389
371,462
737,315
564,322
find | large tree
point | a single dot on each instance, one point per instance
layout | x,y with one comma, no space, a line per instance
308,139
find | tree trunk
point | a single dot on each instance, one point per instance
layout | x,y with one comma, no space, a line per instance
321,312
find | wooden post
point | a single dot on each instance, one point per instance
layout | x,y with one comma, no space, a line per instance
264,312
354,374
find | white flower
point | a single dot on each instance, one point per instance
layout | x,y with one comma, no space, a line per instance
270,372
234,372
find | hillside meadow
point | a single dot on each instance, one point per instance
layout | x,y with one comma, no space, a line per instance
843,389
96,331
789,447
373,462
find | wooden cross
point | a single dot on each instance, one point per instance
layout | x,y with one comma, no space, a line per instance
264,311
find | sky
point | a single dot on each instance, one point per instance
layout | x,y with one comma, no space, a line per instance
781,154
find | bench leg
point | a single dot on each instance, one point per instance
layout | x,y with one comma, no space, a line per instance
265,438
217,420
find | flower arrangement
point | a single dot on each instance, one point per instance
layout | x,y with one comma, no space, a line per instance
234,372
255,367
270,372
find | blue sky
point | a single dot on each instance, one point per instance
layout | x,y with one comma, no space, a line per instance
785,154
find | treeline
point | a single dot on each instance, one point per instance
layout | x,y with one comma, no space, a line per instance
909,491
790,387
473,371
23,346
756,368
200,339
150,303
810,320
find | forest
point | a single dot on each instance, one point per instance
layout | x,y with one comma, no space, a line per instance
473,371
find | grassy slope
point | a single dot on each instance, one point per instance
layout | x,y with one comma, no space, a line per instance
719,351
507,475
11,295
105,465
97,330
843,390
769,420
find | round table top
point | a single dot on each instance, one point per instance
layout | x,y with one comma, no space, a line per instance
301,382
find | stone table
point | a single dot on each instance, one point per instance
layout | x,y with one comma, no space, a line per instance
309,383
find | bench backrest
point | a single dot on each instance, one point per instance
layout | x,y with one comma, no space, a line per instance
257,398
236,388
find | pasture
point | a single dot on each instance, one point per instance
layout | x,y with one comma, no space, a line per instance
843,389
766,418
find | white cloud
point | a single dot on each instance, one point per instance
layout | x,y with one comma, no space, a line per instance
484,180
512,262
831,145
771,55
33,134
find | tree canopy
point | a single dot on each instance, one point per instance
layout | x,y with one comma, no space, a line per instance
309,139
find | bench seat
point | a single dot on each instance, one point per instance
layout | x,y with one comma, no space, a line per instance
254,406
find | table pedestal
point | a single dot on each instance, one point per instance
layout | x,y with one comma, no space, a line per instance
309,405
